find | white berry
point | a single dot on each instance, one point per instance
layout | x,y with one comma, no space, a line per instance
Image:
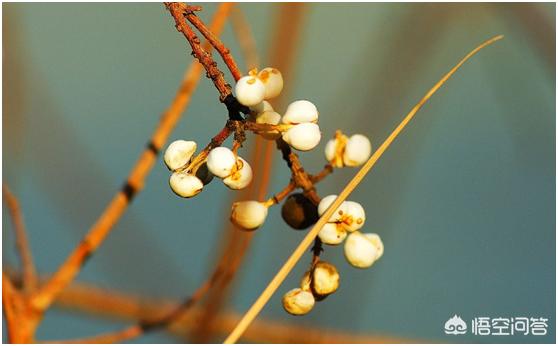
273,81
338,214
298,301
249,91
361,250
269,118
261,107
221,161
303,137
301,111
248,215
354,217
179,153
357,150
185,185
241,175
325,279
332,233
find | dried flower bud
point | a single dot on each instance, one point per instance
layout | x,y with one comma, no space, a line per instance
273,81
357,150
241,175
185,185
325,279
221,161
332,233
303,137
179,153
299,112
324,205
248,215
269,118
298,301
354,216
249,91
362,250
299,212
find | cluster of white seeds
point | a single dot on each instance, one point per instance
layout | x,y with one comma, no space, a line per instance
348,151
300,129
316,284
361,250
177,156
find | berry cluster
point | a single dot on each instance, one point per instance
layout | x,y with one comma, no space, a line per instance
296,129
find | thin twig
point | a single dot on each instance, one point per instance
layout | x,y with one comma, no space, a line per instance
98,232
22,243
301,248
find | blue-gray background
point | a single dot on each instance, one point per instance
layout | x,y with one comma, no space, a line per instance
464,200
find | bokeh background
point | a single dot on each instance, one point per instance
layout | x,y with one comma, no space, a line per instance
464,200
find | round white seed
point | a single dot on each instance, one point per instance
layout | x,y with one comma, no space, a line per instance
185,185
273,81
332,233
221,161
303,137
241,175
357,150
301,111
249,91
179,153
298,301
248,215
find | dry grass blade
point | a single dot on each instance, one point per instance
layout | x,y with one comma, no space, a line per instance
305,243
118,205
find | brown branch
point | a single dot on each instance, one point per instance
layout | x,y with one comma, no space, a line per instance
116,208
321,175
22,243
9,294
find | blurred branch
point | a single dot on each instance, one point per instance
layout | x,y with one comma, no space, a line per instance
22,243
245,38
96,235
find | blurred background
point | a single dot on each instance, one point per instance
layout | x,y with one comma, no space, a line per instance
464,200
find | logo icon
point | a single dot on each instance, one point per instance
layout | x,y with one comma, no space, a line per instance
455,326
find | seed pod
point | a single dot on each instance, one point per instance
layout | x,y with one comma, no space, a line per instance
332,233
273,81
299,212
248,215
249,91
303,136
241,175
324,205
325,279
179,153
357,150
354,216
270,118
221,161
298,302
299,112
185,185
361,250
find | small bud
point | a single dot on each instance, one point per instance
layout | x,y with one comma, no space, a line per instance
185,185
332,233
299,212
270,118
357,150
299,112
221,161
241,175
325,279
179,153
298,302
248,215
303,137
261,107
249,91
362,250
324,205
273,81
354,217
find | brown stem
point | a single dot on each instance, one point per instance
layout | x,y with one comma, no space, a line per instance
116,208
321,175
22,243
